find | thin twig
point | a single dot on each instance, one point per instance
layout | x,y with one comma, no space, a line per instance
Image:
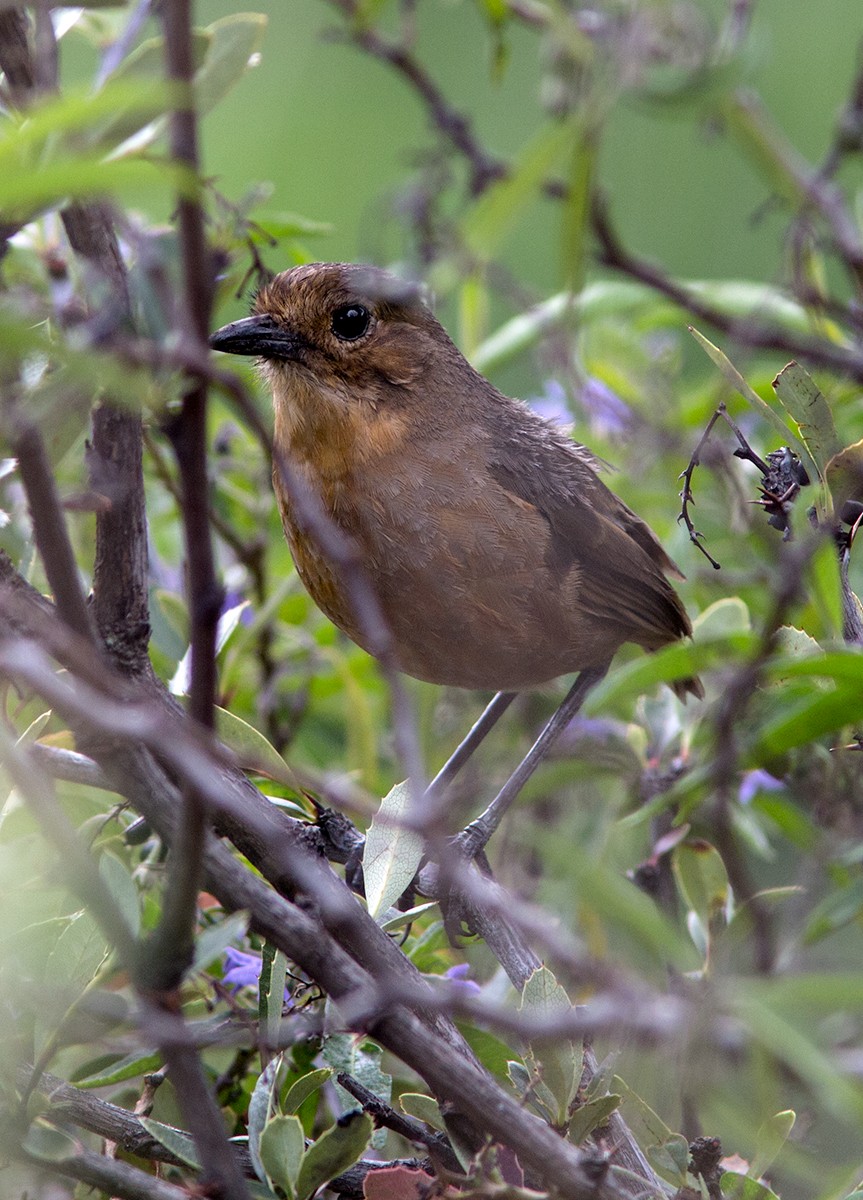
746,332
383,1114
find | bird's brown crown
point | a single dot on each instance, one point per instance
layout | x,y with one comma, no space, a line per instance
348,322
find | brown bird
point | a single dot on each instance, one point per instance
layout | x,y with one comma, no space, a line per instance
499,557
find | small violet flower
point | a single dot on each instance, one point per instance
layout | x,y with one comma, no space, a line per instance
241,969
607,413
755,781
552,404
458,975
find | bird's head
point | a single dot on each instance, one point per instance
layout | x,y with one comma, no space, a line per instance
345,325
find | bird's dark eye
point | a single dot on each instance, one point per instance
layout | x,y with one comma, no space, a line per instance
350,322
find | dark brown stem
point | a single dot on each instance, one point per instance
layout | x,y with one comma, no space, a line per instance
383,1114
49,528
746,332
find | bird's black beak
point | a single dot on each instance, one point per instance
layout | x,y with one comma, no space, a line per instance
259,335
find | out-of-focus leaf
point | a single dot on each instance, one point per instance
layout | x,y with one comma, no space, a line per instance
48,1143
770,1139
803,400
729,615
129,1067
175,1140
648,1125
676,661
424,1108
333,1152
304,1087
234,40
392,853
590,1115
214,940
702,879
502,204
281,1148
670,1159
633,303
70,967
837,909
124,893
254,752
844,474
799,1051
286,225
557,1063
742,1187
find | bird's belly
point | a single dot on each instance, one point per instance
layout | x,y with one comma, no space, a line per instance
467,596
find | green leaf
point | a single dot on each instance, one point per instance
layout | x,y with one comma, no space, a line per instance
502,204
300,1091
124,892
281,1148
333,1152
252,749
261,1108
769,1140
392,852
803,400
360,1058
701,879
130,1067
740,385
557,1063
741,1187
670,1159
590,1115
234,40
175,1140
424,1108
214,940
271,992
489,1049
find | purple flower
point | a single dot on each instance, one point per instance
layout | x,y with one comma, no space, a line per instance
241,969
607,413
755,781
458,976
552,404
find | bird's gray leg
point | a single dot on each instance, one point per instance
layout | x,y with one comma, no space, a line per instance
489,718
475,837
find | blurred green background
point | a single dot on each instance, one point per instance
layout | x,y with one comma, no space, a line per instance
340,132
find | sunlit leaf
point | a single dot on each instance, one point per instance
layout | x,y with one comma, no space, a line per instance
500,206
557,1063
769,1140
281,1148
333,1152
590,1115
392,852
803,400
176,1140
304,1087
